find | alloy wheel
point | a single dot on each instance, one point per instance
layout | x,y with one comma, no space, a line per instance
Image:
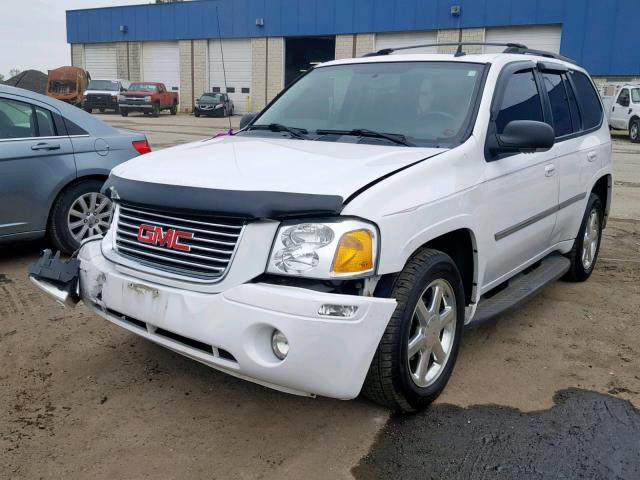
90,214
591,239
432,332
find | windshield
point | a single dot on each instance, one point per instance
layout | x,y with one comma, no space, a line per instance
108,85
426,102
635,95
211,97
142,87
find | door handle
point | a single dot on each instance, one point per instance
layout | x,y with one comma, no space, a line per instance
549,170
613,109
630,110
46,146
592,155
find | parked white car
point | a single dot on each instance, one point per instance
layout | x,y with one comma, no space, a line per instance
343,238
623,111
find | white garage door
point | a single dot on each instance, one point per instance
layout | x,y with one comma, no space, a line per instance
237,62
406,39
539,37
161,63
100,61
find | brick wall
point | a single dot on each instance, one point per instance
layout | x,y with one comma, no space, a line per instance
365,43
258,73
200,67
473,35
186,89
275,66
135,62
77,55
448,36
350,46
122,60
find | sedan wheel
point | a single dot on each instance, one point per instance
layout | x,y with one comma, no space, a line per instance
79,212
89,215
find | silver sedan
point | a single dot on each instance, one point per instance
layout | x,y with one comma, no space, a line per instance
54,159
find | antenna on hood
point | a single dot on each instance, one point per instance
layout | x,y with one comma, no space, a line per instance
224,71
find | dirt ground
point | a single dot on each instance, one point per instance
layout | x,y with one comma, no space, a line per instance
82,398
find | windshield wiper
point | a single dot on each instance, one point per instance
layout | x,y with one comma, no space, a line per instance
396,138
278,127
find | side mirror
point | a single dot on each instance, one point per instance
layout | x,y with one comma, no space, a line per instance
247,118
526,136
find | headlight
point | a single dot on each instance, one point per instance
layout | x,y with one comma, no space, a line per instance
147,98
325,250
220,105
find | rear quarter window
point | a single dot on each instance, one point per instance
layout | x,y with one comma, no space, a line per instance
588,100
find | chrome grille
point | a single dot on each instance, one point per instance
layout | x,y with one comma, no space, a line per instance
210,249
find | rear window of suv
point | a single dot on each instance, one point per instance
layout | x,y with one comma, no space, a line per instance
588,100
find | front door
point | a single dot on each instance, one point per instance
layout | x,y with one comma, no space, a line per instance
521,190
620,111
35,160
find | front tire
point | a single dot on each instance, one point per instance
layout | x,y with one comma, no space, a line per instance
124,113
634,131
88,109
419,347
155,112
79,212
584,254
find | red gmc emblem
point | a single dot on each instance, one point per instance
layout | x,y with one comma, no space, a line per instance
170,238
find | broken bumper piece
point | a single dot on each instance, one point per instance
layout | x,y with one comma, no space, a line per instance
58,278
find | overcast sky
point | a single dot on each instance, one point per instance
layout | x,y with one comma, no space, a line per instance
33,32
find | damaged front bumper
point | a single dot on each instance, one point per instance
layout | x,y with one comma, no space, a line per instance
231,331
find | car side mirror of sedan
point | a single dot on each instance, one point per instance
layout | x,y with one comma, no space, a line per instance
247,118
523,136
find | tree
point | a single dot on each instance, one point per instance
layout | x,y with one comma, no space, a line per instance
14,71
1,77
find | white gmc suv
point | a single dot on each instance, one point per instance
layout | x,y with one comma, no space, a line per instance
341,240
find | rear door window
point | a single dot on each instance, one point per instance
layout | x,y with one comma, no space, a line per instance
588,100
635,95
559,101
16,120
521,100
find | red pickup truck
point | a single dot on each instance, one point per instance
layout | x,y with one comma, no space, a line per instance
148,97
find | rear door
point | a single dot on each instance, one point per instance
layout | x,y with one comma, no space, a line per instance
580,153
36,159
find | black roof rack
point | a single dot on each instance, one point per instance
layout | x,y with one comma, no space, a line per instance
516,48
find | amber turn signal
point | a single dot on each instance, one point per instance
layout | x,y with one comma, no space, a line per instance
354,253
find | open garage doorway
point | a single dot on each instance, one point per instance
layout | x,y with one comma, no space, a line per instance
301,53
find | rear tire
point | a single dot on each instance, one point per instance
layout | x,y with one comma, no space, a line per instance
174,109
584,254
634,131
420,330
66,228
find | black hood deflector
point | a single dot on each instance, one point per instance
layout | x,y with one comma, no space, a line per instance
226,203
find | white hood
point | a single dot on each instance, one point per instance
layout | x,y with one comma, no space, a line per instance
272,165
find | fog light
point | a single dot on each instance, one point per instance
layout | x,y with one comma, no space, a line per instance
341,311
279,344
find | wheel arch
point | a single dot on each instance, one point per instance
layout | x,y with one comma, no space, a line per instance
93,176
602,188
461,246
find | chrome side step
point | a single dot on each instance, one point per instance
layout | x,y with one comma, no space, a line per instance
521,288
